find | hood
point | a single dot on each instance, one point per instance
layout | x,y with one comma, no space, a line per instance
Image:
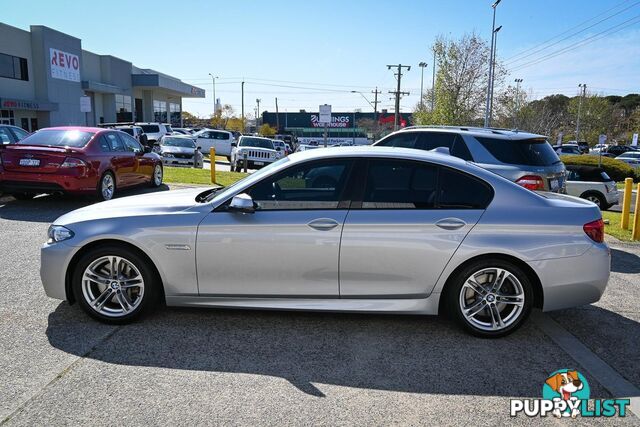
173,149
158,203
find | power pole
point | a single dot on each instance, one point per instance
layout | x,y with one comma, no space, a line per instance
423,66
398,93
277,117
583,86
375,101
518,81
242,87
257,111
490,82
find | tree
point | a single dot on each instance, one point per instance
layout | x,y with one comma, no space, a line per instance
596,117
221,117
267,131
461,82
235,124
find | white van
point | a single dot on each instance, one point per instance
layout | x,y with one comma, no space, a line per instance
220,140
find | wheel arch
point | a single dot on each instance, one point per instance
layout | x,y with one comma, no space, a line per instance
97,243
538,293
594,192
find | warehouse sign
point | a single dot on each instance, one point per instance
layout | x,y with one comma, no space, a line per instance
337,121
64,65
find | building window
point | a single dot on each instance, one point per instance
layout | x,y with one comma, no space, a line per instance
123,104
159,111
13,67
7,118
174,110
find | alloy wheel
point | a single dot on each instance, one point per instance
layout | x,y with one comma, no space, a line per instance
157,176
492,299
112,286
594,199
107,186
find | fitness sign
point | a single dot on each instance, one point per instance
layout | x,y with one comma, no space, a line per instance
64,65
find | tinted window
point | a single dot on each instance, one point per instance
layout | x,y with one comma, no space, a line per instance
312,185
58,138
150,128
13,67
454,142
403,140
127,130
461,191
531,152
220,135
399,184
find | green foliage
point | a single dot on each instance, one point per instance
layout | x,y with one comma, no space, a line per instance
267,131
200,176
616,169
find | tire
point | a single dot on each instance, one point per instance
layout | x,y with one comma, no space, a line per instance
23,196
229,159
515,291
595,197
101,192
158,175
109,306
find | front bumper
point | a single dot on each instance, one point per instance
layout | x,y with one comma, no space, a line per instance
574,281
54,261
177,162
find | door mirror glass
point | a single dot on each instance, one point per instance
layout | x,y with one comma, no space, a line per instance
242,203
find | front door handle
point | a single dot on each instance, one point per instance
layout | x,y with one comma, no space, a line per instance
323,224
451,223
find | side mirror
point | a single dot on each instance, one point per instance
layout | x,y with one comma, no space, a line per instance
242,203
199,148
234,144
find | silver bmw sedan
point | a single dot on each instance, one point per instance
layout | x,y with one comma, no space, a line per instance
363,229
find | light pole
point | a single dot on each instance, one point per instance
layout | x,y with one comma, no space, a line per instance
365,98
493,72
433,81
422,65
215,104
489,85
518,81
583,88
258,110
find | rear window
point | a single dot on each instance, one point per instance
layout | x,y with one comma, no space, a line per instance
58,138
529,152
150,128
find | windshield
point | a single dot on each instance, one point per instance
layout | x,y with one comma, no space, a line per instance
150,128
168,128
255,142
178,142
530,152
58,138
227,191
127,130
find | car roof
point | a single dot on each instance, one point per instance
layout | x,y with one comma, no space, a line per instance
82,128
497,133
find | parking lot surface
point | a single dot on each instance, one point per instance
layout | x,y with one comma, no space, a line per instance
187,366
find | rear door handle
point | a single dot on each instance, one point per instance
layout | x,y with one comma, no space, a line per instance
451,223
323,224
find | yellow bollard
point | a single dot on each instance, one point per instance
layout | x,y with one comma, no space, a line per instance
212,157
626,203
635,234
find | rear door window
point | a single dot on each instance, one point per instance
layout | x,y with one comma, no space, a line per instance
220,135
115,144
529,152
403,140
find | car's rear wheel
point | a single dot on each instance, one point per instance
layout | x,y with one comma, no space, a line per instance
106,187
596,198
158,174
114,284
490,298
23,196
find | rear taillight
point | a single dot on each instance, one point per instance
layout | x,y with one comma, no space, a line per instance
531,182
72,162
595,230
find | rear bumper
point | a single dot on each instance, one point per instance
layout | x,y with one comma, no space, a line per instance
613,198
20,182
574,281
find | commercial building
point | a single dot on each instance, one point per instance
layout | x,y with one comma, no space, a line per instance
47,79
353,127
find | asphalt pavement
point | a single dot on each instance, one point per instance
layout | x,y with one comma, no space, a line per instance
212,366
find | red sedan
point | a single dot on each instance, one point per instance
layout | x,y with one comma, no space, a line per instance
76,160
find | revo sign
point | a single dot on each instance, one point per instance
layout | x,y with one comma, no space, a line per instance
64,66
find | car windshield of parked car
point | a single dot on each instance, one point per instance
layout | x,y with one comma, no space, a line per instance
58,138
178,142
127,130
256,142
530,152
150,128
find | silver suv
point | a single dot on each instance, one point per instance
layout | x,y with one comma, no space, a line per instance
525,158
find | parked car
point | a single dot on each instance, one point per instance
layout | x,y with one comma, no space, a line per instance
155,131
260,152
582,145
183,131
280,147
177,150
617,150
11,134
572,149
593,184
525,158
220,140
632,158
401,231
76,160
136,132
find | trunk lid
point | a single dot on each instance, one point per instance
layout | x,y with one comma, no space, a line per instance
33,158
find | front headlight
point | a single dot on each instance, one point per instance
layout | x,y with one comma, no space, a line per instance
58,233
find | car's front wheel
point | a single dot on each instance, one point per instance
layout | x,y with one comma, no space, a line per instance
114,284
156,179
490,298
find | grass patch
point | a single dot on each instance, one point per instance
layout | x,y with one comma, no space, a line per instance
200,176
613,228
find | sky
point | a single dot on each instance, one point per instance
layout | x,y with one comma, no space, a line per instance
308,53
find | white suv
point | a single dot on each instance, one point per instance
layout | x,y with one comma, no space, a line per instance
260,152
220,140
155,131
